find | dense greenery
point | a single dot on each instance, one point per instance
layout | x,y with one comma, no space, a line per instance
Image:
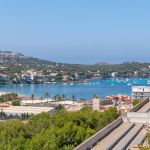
61,131
15,103
9,97
135,102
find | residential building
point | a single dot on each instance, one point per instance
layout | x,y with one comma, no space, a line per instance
140,92
65,78
114,74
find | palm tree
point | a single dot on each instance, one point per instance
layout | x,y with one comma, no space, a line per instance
73,98
46,96
55,97
41,99
59,98
63,97
32,97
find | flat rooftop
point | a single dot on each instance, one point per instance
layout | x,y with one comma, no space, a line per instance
141,89
25,109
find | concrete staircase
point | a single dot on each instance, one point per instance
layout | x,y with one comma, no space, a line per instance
124,133
123,137
110,140
126,140
139,139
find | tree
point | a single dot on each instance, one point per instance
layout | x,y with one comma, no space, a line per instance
61,131
32,97
46,96
9,97
63,96
55,97
15,103
41,99
73,98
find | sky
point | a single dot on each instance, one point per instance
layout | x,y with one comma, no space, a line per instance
77,31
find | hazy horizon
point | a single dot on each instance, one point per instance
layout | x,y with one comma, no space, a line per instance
100,62
77,32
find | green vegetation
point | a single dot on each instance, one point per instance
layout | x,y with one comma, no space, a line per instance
147,143
15,103
9,97
135,102
61,131
14,69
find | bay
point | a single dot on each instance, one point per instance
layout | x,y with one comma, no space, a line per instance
101,88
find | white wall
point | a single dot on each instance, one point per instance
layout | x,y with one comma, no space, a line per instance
136,117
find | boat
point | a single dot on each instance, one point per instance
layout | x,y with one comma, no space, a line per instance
129,84
148,82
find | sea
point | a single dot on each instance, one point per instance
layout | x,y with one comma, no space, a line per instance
101,87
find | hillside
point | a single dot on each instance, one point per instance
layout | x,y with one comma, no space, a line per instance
16,65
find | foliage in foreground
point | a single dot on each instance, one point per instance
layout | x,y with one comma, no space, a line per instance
62,131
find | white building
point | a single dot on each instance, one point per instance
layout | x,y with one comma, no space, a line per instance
114,74
140,92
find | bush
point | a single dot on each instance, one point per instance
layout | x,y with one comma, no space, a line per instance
15,103
8,97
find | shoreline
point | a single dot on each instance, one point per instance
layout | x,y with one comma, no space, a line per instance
74,82
100,87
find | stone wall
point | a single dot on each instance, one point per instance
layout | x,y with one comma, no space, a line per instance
136,117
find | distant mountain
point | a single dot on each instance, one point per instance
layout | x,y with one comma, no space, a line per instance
102,63
12,63
18,58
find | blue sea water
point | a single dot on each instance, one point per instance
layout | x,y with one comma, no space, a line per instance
101,88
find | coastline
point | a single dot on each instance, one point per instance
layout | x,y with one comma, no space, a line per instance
74,82
81,90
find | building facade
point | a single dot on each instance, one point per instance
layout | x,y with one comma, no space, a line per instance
140,92
96,103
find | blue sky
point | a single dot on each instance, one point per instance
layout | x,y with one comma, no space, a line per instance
77,31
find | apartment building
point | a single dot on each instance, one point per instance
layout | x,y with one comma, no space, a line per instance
140,92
